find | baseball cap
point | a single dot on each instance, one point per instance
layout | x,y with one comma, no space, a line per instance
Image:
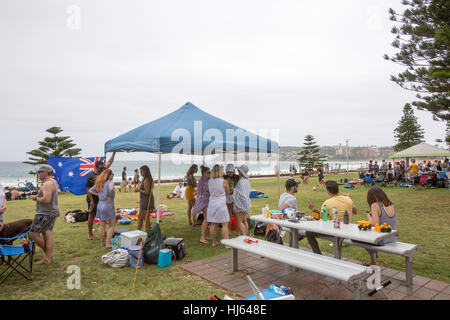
290,183
46,168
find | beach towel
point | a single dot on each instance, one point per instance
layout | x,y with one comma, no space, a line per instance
162,214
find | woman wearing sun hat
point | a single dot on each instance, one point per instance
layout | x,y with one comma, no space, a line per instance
241,200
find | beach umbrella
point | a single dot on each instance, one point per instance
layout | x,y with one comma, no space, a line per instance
190,130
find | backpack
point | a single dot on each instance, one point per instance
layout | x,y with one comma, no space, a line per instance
81,216
260,229
274,236
153,244
177,246
78,215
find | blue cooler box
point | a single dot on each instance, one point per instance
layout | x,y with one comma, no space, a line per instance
164,258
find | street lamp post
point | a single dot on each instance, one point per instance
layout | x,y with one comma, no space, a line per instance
346,140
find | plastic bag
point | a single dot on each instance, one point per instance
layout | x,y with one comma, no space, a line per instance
153,244
116,258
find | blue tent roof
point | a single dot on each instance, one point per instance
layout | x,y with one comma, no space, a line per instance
192,130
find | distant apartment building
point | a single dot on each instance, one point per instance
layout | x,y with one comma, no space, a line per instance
339,153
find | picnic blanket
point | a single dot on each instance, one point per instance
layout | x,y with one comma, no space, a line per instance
132,213
350,182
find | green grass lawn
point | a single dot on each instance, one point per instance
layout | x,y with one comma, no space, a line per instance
422,220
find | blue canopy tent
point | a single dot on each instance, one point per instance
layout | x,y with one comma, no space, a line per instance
190,130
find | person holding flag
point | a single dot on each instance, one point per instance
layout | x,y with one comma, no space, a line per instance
92,199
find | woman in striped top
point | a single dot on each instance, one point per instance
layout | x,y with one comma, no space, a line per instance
241,200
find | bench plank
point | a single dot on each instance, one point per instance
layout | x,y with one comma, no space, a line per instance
326,266
398,248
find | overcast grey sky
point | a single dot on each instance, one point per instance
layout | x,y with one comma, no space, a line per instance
101,68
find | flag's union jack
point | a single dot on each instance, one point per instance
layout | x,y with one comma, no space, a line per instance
87,165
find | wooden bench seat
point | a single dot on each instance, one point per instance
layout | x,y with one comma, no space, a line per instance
345,271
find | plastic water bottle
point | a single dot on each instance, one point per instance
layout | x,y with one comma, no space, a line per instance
334,212
267,211
325,213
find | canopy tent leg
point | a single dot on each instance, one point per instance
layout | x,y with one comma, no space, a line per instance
159,187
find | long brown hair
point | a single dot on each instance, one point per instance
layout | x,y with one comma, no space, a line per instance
191,170
376,194
101,179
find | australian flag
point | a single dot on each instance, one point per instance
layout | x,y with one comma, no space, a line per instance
72,173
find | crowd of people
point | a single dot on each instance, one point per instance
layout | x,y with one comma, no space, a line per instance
434,173
218,196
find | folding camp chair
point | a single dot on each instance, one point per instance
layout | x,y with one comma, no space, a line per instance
15,257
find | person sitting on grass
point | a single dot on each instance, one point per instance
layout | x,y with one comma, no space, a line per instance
104,190
176,193
15,194
368,178
343,203
130,184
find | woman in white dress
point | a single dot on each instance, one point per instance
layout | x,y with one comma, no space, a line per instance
217,206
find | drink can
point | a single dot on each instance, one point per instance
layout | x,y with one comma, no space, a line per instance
337,224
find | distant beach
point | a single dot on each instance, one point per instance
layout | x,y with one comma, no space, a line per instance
13,173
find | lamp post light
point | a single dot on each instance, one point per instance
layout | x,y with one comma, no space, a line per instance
346,140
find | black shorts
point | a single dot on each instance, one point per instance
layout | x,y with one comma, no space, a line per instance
42,223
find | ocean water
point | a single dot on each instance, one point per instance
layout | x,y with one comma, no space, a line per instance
15,173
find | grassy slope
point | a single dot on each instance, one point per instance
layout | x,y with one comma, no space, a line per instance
422,220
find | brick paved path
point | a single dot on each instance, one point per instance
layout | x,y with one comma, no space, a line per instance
306,285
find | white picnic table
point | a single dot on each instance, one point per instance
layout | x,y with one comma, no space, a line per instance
346,231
